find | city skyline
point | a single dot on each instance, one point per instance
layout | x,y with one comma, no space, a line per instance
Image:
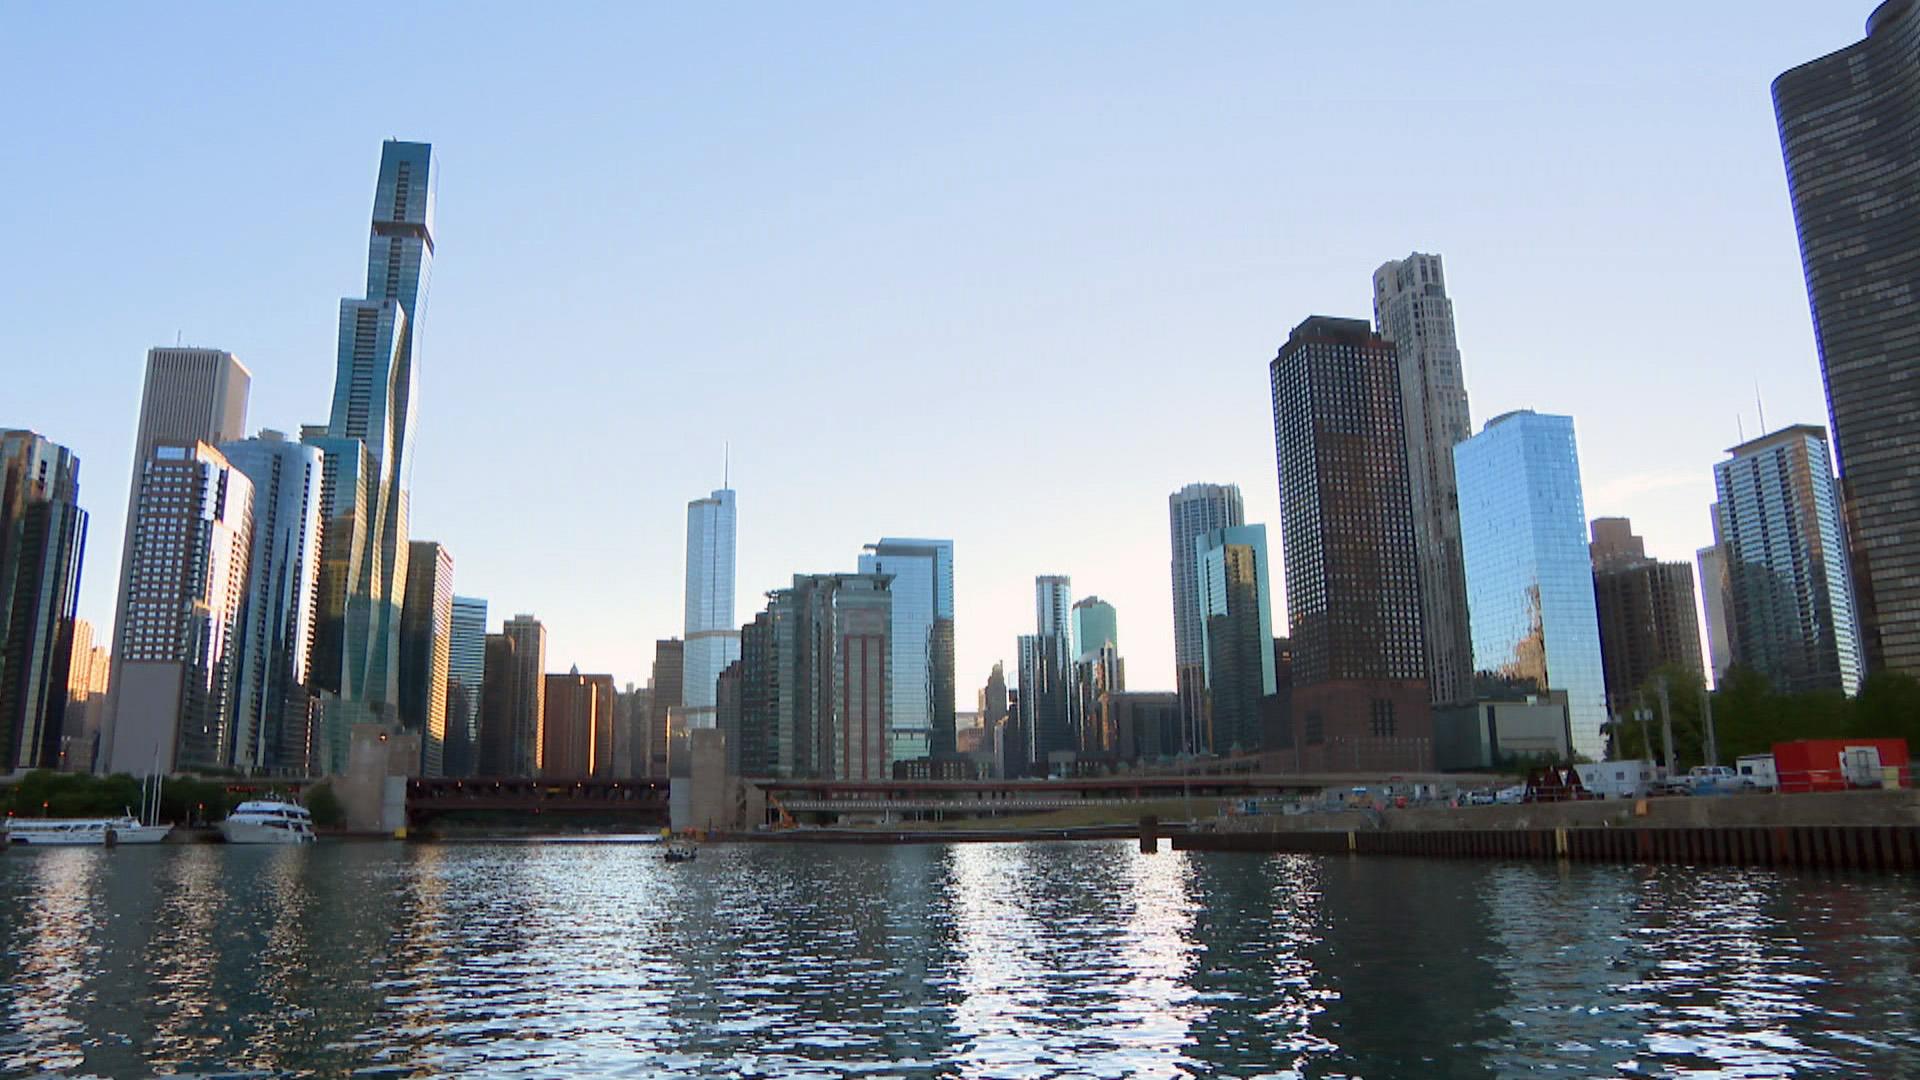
611,629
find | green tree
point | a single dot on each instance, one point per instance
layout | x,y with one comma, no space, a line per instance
325,807
1888,707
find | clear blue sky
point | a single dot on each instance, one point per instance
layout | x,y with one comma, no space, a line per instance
1003,273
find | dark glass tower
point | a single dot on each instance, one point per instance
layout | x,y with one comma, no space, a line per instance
43,534
1850,131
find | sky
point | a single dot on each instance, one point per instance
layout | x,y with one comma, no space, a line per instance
1004,273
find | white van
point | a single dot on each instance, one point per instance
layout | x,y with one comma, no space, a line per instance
1757,772
1619,779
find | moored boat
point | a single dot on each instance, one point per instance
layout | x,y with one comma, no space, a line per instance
268,821
82,832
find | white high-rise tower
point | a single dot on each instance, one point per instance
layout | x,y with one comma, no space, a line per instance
712,632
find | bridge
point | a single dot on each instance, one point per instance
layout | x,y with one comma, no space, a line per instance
641,803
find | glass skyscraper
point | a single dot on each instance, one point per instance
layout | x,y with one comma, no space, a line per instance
375,399
1192,511
272,711
1851,138
1523,528
1787,579
1236,628
426,648
43,537
920,719
712,635
466,668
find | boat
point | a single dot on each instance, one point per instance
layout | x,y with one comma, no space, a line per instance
83,832
268,821
678,852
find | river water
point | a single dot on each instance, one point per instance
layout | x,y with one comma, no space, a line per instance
1021,960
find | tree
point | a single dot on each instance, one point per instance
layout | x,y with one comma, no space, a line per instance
325,807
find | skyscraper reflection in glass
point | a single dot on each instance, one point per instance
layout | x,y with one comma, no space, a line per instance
920,712
1523,529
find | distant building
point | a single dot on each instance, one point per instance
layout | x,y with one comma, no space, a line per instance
630,709
1648,619
713,637
1852,151
1411,308
1788,579
88,681
1523,525
727,710
831,678
1236,606
520,740
994,713
1360,697
1147,725
754,748
426,650
501,699
182,588
191,396
273,707
1191,511
1716,602
1510,734
43,539
664,705
466,673
577,732
921,712
1098,671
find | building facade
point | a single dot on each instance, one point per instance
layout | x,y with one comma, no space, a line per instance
713,637
1191,511
922,640
183,587
832,676
1648,618
577,732
375,403
43,540
1098,672
1523,526
1236,591
1360,693
466,674
500,696
525,684
1852,150
1788,579
664,704
88,680
273,707
426,650
1412,310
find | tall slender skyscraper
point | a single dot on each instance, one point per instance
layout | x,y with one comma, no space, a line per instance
174,648
713,637
1411,308
1360,694
426,650
1191,512
1852,148
1648,619
272,705
375,399
1236,607
1098,671
527,705
830,685
1523,526
86,700
1787,575
921,712
43,538
466,670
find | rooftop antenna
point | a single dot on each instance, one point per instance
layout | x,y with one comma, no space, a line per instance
1740,427
177,334
726,465
1762,406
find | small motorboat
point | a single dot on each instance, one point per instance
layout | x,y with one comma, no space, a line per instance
680,852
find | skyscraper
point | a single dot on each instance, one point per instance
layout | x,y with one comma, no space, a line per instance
832,661
87,686
43,538
191,395
1360,693
466,670
1648,619
1852,150
1098,672
760,752
578,729
426,650
173,679
501,696
1787,574
1236,629
1047,699
713,637
664,703
375,399
921,712
1411,308
1523,528
1192,511
528,689
1716,601
273,709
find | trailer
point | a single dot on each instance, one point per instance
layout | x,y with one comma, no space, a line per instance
1757,772
1619,779
1840,764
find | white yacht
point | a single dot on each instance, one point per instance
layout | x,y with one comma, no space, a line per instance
268,821
72,832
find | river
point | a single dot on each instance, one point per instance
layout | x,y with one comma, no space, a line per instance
1020,960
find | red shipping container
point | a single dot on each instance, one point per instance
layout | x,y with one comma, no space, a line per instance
1823,765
